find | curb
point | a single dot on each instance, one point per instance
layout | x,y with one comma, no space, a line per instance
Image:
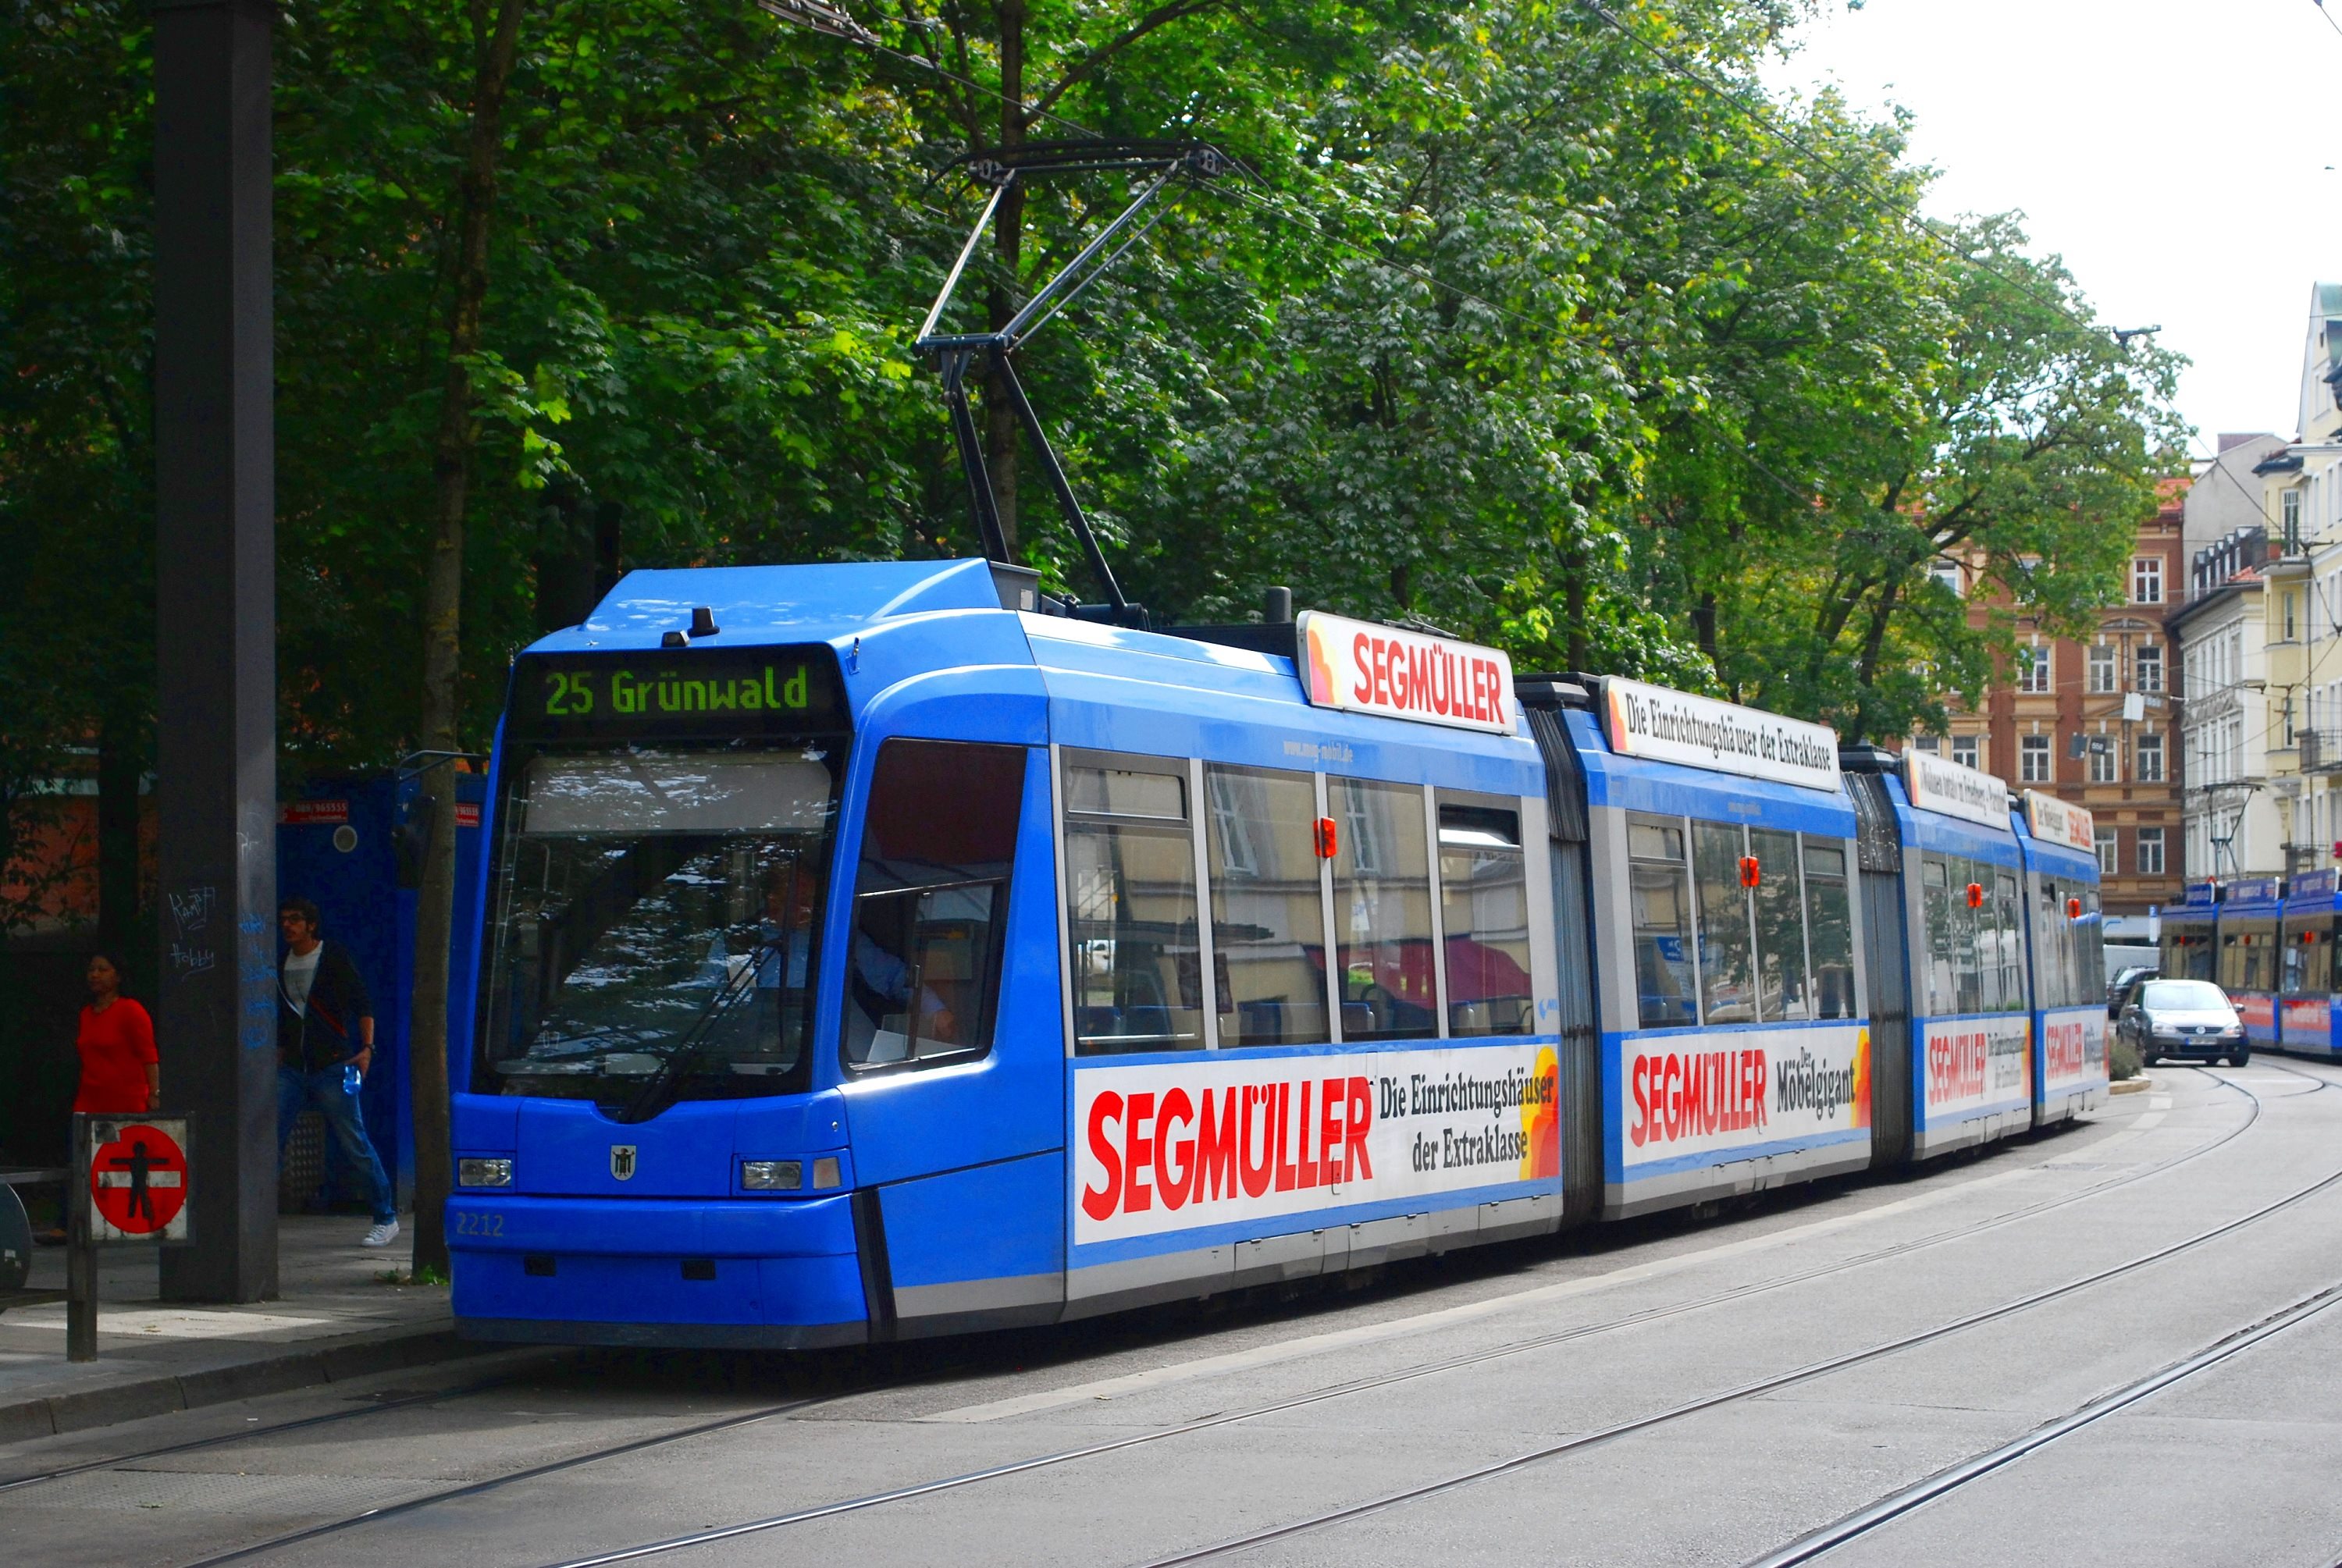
2137,1085
296,1366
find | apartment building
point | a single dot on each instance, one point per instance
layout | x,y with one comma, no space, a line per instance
2261,644
2091,720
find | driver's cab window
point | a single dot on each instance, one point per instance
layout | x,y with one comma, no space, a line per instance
931,903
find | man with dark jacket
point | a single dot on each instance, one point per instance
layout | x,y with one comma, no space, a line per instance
325,1029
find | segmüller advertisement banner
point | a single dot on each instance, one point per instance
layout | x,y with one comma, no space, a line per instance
1687,1094
1670,726
1977,1064
1167,1146
2073,1048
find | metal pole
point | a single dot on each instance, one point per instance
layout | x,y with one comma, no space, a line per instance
215,623
81,1254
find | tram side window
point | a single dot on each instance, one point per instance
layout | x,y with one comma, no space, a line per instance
1936,910
2008,910
2256,957
1484,918
1988,939
1382,910
2052,954
1968,972
1268,911
1727,966
2292,959
1130,884
2318,970
1659,894
1829,930
1782,990
931,902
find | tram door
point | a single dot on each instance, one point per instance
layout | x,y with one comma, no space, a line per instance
1886,942
1581,1040
950,1038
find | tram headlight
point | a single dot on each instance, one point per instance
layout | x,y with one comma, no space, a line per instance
771,1175
483,1173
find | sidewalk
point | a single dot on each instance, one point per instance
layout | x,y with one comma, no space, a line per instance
336,1317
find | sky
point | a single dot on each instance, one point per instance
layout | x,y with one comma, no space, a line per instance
2185,156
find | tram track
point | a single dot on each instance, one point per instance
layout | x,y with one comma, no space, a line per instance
1025,1466
801,1405
1863,1521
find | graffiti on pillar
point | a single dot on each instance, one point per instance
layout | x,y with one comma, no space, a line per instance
191,952
257,971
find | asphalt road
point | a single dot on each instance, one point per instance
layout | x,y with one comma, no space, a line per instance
2109,1344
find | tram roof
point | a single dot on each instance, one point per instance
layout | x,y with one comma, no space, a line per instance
759,604
1109,687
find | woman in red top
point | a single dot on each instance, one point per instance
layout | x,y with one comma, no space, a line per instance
119,1072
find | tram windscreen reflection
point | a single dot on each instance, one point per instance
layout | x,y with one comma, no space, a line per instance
655,913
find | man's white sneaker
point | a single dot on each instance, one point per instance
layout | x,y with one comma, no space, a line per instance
382,1235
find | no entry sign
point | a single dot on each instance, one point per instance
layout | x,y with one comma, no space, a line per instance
138,1179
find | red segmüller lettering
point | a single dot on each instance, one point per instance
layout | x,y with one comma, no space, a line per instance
1245,1140
2062,1046
1691,1094
1956,1063
1425,678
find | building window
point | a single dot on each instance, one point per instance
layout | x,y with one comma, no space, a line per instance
1928,743
2033,756
2147,764
2102,759
2033,669
2109,852
2147,668
2146,580
2284,716
1946,576
2289,509
2102,668
2289,603
2150,852
1964,751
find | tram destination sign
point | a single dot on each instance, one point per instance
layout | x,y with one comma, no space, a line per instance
1953,789
662,692
1367,668
1668,726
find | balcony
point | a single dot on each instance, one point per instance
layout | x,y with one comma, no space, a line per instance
2321,750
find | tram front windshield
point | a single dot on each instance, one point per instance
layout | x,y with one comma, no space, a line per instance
653,916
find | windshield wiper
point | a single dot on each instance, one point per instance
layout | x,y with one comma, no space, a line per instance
659,1090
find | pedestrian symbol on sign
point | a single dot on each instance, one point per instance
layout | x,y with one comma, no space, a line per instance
137,1183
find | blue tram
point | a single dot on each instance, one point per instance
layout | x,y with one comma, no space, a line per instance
2186,945
2247,943
2305,1001
2065,937
868,952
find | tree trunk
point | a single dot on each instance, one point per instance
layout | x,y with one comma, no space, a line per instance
1873,642
443,604
1000,430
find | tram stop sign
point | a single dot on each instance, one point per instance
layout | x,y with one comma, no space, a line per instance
138,1179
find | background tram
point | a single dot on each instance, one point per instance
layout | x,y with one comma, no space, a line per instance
868,954
2188,933
2247,943
2305,1000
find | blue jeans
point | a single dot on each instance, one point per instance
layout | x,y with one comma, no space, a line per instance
295,1089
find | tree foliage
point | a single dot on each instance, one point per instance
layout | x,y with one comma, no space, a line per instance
1532,319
